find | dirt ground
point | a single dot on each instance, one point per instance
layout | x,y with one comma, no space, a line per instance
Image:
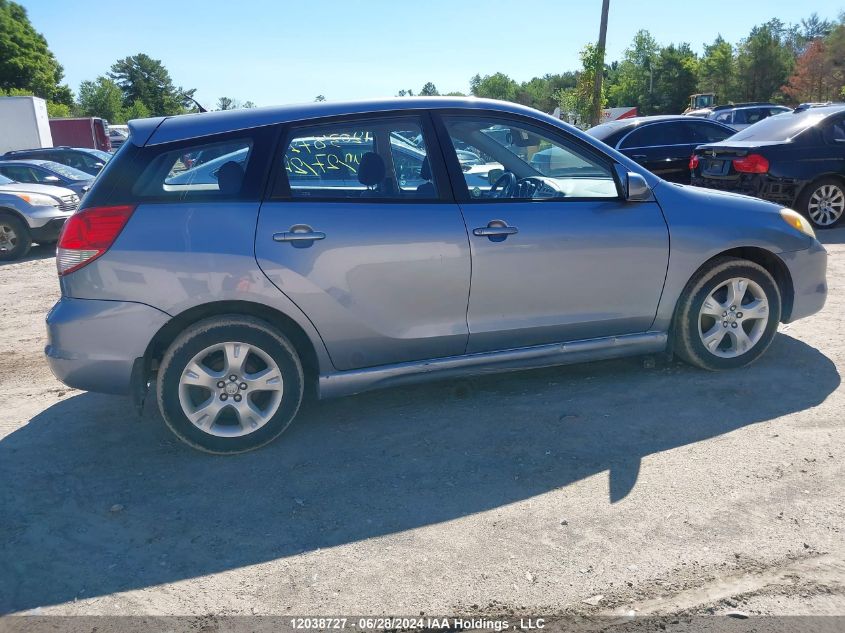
602,488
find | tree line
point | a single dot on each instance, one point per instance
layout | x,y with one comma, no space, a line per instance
778,62
783,63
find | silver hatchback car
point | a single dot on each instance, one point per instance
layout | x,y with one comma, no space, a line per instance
240,258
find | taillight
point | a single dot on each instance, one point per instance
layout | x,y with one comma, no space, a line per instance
752,164
693,162
89,233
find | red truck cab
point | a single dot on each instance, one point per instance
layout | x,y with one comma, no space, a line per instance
81,132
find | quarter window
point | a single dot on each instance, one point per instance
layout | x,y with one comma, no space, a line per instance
501,159
216,169
377,159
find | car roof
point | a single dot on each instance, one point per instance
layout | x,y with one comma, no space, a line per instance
604,131
25,161
156,130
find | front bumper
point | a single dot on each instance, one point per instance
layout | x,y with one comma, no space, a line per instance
49,232
93,345
808,269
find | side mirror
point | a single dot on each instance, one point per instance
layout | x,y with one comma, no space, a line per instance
636,188
51,179
99,165
494,174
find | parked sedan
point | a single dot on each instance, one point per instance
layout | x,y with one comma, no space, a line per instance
31,213
661,144
86,159
796,159
46,172
322,256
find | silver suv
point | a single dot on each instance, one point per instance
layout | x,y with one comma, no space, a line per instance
239,259
31,213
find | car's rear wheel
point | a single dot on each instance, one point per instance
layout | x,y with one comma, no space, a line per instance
15,239
230,384
823,202
728,315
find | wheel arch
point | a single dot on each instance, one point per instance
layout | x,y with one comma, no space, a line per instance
805,187
14,213
298,337
773,264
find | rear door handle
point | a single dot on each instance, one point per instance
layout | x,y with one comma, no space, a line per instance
299,233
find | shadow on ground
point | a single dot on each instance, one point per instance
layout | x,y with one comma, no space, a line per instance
350,469
832,236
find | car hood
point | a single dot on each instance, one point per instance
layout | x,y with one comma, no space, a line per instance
50,190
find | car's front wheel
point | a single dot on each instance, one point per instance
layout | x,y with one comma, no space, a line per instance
230,384
823,202
728,315
15,240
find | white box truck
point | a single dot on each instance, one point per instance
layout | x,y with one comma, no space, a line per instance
24,124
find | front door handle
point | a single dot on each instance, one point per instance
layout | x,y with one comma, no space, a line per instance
299,233
496,230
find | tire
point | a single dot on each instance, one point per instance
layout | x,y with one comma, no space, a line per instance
15,239
823,202
230,415
718,284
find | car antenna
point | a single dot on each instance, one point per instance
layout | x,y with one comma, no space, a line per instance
195,102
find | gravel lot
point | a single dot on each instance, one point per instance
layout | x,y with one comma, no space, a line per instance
662,490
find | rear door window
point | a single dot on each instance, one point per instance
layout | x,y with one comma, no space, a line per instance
651,135
375,159
704,132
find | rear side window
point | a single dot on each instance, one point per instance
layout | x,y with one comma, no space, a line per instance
648,136
375,159
709,133
213,169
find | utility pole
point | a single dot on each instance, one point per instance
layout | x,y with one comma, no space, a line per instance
596,110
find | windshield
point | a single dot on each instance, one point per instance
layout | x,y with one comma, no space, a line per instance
6,181
67,172
781,127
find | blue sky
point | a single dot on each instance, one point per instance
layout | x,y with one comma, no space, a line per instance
279,51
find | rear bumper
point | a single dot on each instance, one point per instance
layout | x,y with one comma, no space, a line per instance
808,269
779,190
92,345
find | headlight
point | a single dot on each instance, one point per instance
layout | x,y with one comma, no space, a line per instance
797,221
37,199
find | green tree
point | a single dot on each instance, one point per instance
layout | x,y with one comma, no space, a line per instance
25,60
227,103
576,102
717,70
145,79
248,105
764,62
101,97
496,86
429,90
319,98
540,92
675,78
633,77
136,110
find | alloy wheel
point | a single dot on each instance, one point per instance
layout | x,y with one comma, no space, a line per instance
230,389
733,317
827,203
8,238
